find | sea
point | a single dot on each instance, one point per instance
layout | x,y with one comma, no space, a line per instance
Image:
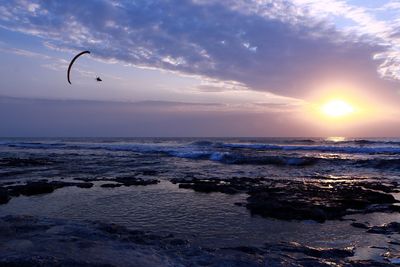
206,219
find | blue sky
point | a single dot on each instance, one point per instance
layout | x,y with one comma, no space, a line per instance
196,67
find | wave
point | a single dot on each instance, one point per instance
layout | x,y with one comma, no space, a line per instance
370,142
336,149
239,153
36,145
202,143
237,158
199,146
393,164
268,160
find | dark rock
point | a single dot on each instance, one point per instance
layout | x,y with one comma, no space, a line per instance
394,243
179,180
22,162
84,185
359,225
110,185
4,196
386,229
392,257
315,201
86,179
51,242
148,172
365,263
387,188
41,187
297,200
40,261
32,188
248,250
231,186
325,253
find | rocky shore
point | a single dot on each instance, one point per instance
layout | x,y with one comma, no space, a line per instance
303,200
44,186
37,241
33,241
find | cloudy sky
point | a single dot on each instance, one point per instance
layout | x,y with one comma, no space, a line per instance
199,67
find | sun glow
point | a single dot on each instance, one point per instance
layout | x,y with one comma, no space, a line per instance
341,109
337,108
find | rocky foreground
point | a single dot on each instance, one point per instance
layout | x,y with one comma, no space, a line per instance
303,200
32,241
44,186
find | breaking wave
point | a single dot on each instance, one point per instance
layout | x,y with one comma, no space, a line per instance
379,154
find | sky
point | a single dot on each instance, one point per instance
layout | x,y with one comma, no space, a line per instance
199,67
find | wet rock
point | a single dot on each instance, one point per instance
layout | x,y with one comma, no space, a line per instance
248,249
87,179
4,196
386,229
110,185
359,225
315,201
298,200
392,257
148,172
44,261
379,186
325,253
41,187
32,188
365,263
23,162
38,241
394,243
209,186
231,186
84,185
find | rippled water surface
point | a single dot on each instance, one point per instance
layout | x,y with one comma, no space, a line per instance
208,219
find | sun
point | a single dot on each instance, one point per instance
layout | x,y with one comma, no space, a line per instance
337,108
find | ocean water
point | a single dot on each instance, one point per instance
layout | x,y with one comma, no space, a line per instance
206,219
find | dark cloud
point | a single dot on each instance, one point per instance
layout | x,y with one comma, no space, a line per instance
274,49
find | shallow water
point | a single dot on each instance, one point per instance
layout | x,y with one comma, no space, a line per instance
210,220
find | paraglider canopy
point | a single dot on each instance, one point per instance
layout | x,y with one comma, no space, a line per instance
72,62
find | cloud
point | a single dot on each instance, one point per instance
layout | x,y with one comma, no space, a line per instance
40,117
274,46
22,52
167,106
365,24
58,118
